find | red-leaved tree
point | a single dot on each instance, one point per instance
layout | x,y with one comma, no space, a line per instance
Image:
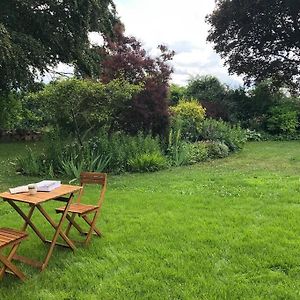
124,57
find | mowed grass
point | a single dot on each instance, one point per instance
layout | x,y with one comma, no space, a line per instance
226,229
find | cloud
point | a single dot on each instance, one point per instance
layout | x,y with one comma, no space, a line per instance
181,26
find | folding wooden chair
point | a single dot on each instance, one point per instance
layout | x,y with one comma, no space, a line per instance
10,237
82,210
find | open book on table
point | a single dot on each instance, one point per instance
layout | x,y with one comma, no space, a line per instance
42,186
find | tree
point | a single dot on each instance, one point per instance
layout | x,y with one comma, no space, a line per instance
211,93
124,57
176,93
207,88
36,35
259,39
251,107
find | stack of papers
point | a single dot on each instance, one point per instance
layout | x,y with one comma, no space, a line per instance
47,185
42,186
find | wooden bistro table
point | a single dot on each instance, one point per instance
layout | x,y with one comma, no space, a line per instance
36,201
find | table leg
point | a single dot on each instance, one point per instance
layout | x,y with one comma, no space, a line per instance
62,234
30,213
27,219
57,232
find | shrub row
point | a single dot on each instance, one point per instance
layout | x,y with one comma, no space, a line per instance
119,152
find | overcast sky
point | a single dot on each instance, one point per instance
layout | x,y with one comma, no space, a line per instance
181,26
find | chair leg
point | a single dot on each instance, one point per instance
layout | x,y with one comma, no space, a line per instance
92,228
70,224
75,224
9,257
96,230
8,264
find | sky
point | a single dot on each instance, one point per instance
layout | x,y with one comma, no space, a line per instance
178,24
181,26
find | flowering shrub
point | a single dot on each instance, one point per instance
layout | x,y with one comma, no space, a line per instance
189,115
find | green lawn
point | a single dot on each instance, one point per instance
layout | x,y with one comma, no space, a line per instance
227,229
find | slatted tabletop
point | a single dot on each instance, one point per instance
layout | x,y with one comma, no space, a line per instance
41,197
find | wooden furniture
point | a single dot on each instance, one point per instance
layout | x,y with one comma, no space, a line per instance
36,201
82,210
10,238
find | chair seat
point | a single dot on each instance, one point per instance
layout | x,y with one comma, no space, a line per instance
78,208
10,236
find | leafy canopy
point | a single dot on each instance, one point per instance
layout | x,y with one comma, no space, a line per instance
259,39
76,105
36,35
208,88
125,57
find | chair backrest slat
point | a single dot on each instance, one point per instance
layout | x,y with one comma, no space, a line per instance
94,178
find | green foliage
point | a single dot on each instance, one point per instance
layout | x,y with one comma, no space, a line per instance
87,160
250,107
33,114
33,37
148,162
123,148
217,149
188,115
265,136
10,110
30,163
252,135
197,152
206,88
248,36
76,105
282,119
177,150
17,111
176,93
67,160
116,153
231,135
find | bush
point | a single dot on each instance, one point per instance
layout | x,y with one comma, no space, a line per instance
116,153
75,105
148,162
197,152
190,115
231,135
122,148
282,119
217,149
31,164
265,136
252,135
